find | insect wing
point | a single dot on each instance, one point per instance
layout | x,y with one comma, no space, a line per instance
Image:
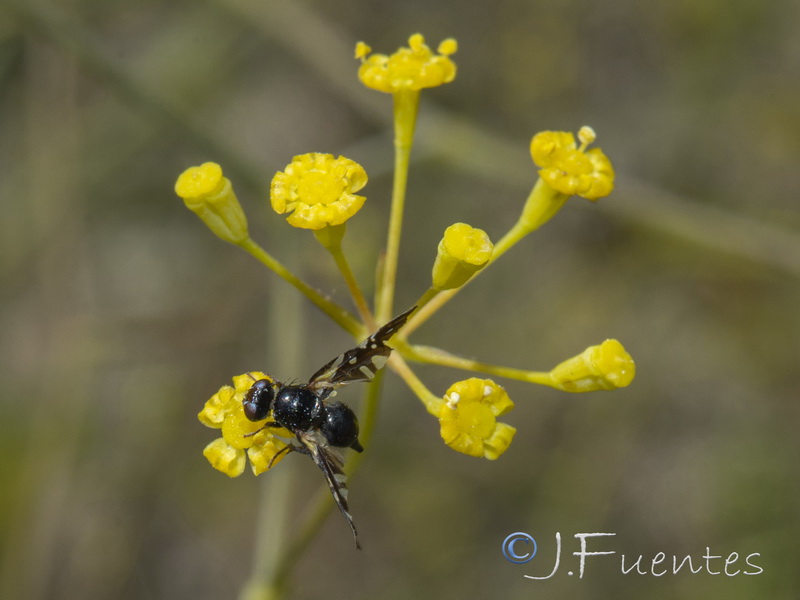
330,464
362,362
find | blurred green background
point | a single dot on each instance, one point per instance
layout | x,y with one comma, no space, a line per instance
121,314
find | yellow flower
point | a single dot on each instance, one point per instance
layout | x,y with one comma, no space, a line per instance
607,366
210,196
462,252
319,190
570,169
230,453
467,418
411,68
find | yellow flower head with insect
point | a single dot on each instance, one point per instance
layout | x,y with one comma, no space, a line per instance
241,439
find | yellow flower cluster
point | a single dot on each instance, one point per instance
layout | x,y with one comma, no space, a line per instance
468,418
241,439
319,190
570,169
411,68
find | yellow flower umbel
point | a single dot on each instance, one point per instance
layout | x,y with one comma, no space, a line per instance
319,190
210,196
468,418
229,453
462,252
573,170
604,367
411,68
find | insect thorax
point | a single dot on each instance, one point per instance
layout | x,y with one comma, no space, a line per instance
298,408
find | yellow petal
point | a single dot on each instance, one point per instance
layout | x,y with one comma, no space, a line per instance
499,441
213,413
264,451
225,458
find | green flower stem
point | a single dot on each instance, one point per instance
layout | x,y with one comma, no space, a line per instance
542,204
323,504
432,402
367,418
437,356
355,290
270,539
429,295
345,320
331,239
406,104
276,490
423,313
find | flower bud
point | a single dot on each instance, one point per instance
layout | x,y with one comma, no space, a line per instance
210,196
462,252
604,367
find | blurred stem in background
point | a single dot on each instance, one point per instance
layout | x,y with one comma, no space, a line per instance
285,322
65,338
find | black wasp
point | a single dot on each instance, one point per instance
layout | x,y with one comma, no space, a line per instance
317,422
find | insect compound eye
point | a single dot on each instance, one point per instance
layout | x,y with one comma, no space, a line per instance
258,400
298,408
340,426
